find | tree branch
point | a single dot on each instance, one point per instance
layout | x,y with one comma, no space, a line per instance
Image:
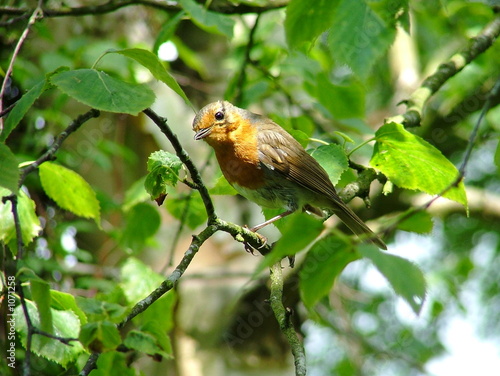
283,316
361,186
418,99
224,7
184,157
167,285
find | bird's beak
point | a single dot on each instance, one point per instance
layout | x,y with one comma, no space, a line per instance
202,133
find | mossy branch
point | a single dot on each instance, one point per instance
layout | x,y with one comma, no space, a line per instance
283,316
419,98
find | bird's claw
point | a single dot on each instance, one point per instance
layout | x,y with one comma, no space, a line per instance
262,238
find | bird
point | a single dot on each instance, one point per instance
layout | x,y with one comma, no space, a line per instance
266,165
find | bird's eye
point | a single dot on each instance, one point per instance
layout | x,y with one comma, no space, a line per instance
219,115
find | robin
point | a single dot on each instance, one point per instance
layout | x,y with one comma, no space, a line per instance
265,164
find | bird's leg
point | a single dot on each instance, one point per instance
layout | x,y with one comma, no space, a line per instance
256,228
269,221
262,238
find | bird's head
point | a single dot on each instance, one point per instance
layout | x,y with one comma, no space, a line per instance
215,122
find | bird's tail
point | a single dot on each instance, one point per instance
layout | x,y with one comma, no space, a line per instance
356,225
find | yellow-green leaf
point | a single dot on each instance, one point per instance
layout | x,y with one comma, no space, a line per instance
69,190
411,162
30,224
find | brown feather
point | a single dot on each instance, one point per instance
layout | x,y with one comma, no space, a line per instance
289,157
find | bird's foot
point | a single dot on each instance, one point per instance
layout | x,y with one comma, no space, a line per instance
247,245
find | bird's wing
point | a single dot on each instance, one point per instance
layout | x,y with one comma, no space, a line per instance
279,151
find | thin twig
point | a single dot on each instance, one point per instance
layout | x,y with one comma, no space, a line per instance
246,61
6,110
64,340
17,225
20,291
461,171
49,154
472,139
37,13
29,335
284,90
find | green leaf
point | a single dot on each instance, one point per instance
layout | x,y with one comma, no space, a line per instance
298,231
112,363
163,170
419,222
21,108
158,329
65,324
358,36
145,343
391,11
300,136
349,99
323,264
412,163
167,30
159,317
97,309
138,280
135,194
142,222
30,224
69,190
333,159
9,170
209,21
150,61
222,187
195,214
305,22
66,302
100,336
404,276
40,292
103,92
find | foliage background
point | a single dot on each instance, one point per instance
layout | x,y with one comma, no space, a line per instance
335,66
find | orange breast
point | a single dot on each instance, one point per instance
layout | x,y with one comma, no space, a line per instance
238,156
